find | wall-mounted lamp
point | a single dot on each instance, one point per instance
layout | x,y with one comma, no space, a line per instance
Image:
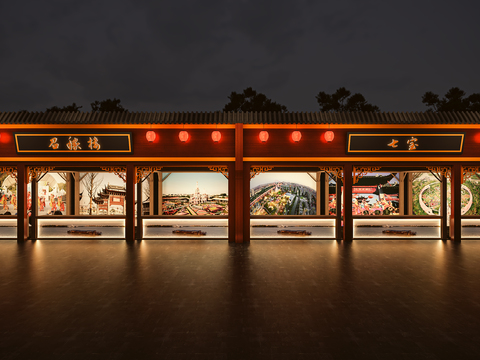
329,136
216,136
183,136
263,136
151,136
296,136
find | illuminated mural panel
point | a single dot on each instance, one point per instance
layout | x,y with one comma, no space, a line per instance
274,193
376,194
195,194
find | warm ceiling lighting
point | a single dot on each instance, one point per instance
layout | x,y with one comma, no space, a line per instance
216,136
263,136
296,136
183,136
329,135
151,136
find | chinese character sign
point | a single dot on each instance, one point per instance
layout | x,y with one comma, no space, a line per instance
405,143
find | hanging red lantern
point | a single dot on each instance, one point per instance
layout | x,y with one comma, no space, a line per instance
151,136
296,136
183,136
329,135
216,136
263,136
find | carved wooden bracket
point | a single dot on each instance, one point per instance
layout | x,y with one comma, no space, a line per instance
258,170
34,172
335,170
220,169
468,171
120,171
360,171
143,171
442,170
10,170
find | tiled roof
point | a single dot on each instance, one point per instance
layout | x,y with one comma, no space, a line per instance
236,117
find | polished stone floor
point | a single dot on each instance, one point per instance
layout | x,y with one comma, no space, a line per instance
87,299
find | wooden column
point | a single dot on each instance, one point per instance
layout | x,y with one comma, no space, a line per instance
69,187
456,203
238,177
231,203
444,208
347,203
153,194
246,202
319,187
33,215
338,206
76,192
130,204
139,232
22,217
409,196
401,193
160,194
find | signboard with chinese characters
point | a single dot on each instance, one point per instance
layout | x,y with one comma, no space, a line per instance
93,143
400,144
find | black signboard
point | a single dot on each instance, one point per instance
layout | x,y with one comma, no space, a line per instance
72,143
400,144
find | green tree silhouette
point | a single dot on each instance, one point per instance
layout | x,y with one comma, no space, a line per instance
107,105
250,100
343,100
454,100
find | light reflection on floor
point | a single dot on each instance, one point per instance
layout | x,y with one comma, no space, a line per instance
272,299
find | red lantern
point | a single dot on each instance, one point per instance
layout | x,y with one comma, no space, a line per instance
151,136
216,136
183,136
296,136
329,135
263,136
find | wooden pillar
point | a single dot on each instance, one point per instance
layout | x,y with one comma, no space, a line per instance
153,194
139,233
408,210
130,204
76,192
444,208
160,194
238,177
33,215
326,193
68,188
347,203
401,193
231,203
320,210
456,203
22,217
338,206
246,202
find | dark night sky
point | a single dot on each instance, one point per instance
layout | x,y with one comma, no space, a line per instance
190,55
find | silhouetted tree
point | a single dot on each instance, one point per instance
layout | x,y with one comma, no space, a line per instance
91,182
455,100
250,100
341,100
70,108
107,105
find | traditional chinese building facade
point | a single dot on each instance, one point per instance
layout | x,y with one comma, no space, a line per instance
336,149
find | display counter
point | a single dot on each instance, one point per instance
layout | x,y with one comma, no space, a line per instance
176,227
397,227
471,227
279,227
85,227
8,227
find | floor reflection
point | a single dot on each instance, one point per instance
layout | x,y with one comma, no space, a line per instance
370,299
